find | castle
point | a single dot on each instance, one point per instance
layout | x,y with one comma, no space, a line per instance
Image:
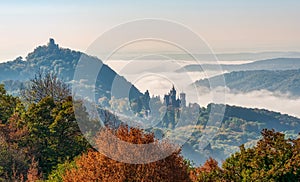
171,100
52,45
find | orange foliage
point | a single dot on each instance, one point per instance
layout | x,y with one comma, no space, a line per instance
33,172
13,149
209,166
95,166
11,131
210,171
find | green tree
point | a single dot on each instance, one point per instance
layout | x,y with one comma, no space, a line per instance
274,158
54,133
8,104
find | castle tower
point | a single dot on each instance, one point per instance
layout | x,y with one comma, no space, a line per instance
173,95
52,44
182,99
51,41
170,99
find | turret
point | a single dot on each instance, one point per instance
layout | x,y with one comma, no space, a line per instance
182,99
52,44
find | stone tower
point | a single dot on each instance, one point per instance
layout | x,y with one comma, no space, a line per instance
170,99
182,99
52,44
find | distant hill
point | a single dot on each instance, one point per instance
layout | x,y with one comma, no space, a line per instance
269,64
268,119
243,56
61,61
244,81
239,126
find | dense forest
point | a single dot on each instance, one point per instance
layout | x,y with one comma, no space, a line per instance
41,141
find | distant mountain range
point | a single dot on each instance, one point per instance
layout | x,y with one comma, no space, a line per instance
269,64
61,61
287,81
244,56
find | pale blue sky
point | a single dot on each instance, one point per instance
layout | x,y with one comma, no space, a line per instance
227,25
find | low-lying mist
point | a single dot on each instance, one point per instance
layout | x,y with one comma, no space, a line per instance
261,99
159,83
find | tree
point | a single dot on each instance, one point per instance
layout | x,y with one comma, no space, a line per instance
274,158
45,85
8,104
54,133
57,174
94,166
33,174
13,159
210,171
13,150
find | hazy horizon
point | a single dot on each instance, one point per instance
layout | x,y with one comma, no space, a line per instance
227,27
229,57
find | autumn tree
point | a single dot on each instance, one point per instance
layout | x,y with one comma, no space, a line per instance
33,173
293,164
13,149
45,130
209,172
94,166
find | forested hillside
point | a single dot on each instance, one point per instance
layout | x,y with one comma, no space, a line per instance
62,62
239,126
269,64
40,141
287,82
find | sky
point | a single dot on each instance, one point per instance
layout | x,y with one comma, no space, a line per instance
226,25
